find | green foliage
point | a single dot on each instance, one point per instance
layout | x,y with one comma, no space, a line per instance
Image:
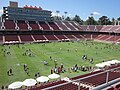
104,20
91,21
78,19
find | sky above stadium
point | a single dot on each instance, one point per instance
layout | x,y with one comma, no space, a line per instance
83,8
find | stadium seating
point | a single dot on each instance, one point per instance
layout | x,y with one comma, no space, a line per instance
81,37
111,88
26,38
71,37
54,26
39,37
84,27
98,27
34,25
50,37
76,25
60,24
106,28
9,38
22,25
92,27
72,28
61,37
9,25
44,26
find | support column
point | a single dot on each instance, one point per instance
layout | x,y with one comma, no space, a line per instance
79,86
107,77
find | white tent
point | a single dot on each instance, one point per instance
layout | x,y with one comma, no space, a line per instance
15,85
54,76
107,63
29,82
42,79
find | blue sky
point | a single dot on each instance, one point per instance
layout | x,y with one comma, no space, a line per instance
83,8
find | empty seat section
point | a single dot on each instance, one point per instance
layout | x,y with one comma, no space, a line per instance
68,86
26,38
44,26
61,25
88,36
96,80
106,28
69,26
54,26
92,27
76,25
99,27
9,38
61,37
113,75
50,37
33,25
114,28
103,37
39,37
9,25
79,36
70,36
22,25
84,27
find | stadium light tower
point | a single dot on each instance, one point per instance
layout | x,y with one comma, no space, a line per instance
57,13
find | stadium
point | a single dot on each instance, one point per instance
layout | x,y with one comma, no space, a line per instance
65,54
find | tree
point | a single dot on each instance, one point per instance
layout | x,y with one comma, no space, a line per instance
68,19
113,21
56,18
118,18
104,20
78,19
91,21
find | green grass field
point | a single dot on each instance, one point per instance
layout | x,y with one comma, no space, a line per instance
58,51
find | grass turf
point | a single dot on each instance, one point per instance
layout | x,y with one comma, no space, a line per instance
66,53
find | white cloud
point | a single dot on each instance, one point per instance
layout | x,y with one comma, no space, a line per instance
95,13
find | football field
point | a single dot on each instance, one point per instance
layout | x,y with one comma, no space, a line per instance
67,53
